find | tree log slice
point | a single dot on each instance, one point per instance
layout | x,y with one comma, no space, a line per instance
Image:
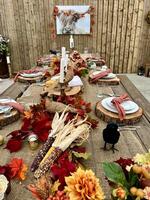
68,91
108,116
10,119
30,80
112,81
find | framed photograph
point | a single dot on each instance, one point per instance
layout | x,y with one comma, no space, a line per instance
73,20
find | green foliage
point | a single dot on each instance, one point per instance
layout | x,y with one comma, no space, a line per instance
115,174
4,45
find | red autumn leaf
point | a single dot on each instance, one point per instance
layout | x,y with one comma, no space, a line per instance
79,149
5,170
14,145
80,112
14,133
15,166
42,136
63,168
93,122
2,169
26,124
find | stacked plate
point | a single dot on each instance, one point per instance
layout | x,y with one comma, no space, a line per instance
109,76
129,106
31,75
4,109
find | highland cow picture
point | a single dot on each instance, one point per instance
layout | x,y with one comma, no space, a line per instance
73,20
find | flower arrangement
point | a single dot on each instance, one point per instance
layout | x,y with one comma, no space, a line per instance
129,178
79,185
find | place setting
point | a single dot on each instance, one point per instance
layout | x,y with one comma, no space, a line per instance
120,109
9,110
103,75
30,76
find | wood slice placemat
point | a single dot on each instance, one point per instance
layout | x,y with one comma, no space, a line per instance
108,116
112,81
5,120
69,92
30,80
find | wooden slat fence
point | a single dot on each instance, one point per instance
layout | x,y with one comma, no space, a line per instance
120,34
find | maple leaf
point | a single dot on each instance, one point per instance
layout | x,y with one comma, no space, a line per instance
14,145
15,166
26,124
63,168
28,114
18,168
93,122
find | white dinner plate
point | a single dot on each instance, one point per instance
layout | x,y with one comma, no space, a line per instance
109,76
127,105
112,108
4,109
32,75
55,77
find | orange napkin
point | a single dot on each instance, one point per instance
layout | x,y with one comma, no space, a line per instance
117,103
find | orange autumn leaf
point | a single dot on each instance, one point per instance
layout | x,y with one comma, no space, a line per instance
17,168
22,173
28,114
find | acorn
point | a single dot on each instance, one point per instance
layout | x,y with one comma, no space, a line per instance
137,169
145,173
133,190
33,141
1,140
33,145
140,193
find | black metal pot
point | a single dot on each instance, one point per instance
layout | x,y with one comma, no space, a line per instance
4,72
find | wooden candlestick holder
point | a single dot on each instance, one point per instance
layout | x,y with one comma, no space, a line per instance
62,90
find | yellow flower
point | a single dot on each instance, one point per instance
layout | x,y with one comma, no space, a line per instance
83,185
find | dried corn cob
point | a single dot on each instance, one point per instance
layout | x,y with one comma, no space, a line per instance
57,125
63,140
44,167
42,152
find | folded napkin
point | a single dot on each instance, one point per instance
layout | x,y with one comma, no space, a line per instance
117,103
76,81
15,105
100,75
30,71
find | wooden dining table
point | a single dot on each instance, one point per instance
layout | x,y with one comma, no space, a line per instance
134,139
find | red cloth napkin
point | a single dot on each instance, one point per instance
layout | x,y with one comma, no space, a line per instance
100,75
117,103
30,71
15,105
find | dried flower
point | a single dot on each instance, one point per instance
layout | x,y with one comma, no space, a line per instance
83,185
146,192
142,158
3,186
120,193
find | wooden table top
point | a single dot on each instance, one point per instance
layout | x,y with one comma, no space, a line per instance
131,142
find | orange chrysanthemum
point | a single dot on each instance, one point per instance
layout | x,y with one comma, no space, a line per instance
83,185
